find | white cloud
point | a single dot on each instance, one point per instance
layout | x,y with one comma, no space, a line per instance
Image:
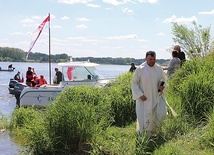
83,19
65,18
81,27
207,12
108,8
74,1
161,34
84,39
57,27
93,5
113,2
148,1
28,20
17,33
181,20
130,36
127,10
36,17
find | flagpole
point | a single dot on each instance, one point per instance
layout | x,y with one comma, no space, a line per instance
49,51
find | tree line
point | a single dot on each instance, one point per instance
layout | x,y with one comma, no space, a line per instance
18,55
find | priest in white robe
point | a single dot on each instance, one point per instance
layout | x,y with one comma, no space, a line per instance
149,95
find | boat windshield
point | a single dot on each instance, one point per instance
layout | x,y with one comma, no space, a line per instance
81,73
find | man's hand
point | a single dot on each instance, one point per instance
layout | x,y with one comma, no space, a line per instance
143,98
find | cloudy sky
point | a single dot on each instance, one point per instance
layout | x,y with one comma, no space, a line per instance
100,28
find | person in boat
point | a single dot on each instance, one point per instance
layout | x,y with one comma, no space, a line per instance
29,76
34,81
41,81
58,76
17,77
146,88
132,68
10,67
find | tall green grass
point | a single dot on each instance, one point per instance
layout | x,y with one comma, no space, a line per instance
120,97
193,87
4,124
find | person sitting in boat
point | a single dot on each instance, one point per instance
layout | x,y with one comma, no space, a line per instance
10,67
17,77
41,81
34,81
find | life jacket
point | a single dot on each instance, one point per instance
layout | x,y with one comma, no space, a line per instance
29,75
34,81
42,82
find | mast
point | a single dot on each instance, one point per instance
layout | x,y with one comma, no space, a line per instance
49,51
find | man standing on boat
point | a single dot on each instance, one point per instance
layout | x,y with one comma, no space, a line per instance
29,76
58,76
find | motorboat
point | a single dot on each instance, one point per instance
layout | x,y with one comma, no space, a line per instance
7,70
75,74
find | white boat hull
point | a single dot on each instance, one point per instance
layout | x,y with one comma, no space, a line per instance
43,96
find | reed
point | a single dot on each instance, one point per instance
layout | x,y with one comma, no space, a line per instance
122,104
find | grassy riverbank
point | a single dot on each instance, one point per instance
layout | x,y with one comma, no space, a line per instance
86,120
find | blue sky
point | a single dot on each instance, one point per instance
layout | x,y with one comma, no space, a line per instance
100,28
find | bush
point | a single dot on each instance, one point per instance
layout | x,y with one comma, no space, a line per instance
193,87
207,139
120,96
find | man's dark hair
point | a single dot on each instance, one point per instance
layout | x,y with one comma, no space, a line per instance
175,54
152,53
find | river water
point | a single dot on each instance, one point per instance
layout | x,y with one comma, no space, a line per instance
8,102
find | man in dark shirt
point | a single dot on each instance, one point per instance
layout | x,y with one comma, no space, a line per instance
59,76
181,55
17,77
132,68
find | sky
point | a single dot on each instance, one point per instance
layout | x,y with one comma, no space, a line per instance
100,28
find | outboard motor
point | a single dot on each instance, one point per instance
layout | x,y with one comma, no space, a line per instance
11,85
17,91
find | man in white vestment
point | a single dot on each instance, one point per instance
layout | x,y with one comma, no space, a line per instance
149,95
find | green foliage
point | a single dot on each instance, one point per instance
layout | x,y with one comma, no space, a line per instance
92,96
114,141
193,86
118,61
121,100
196,42
72,124
3,122
11,54
207,139
22,116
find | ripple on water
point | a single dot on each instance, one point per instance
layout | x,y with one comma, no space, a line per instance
8,147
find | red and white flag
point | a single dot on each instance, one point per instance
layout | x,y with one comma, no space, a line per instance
36,34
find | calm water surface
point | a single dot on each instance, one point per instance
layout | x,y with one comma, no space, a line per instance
8,102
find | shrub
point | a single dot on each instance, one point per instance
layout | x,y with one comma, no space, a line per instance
207,139
120,96
193,87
